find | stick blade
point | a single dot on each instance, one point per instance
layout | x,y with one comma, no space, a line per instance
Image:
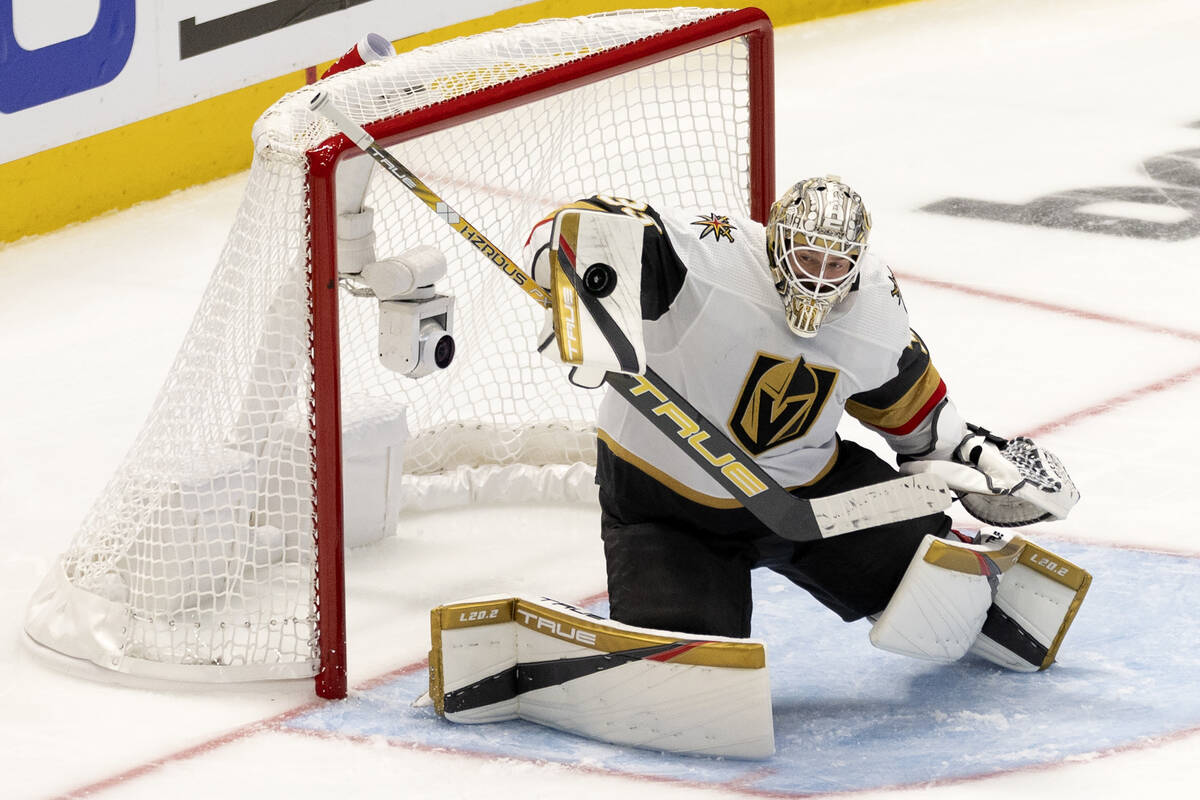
896,500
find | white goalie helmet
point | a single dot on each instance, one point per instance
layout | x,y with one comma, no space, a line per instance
816,237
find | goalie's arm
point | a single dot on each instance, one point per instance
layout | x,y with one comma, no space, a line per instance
662,271
788,516
608,267
999,481
911,410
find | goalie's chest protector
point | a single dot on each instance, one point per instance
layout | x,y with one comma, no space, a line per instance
723,341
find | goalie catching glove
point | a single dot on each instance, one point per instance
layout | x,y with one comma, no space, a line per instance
1004,482
590,261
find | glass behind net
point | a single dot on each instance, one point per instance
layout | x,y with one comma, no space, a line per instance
198,560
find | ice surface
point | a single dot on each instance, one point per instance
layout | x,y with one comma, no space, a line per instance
1088,340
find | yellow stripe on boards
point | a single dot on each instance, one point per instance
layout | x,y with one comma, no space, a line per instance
136,162
211,139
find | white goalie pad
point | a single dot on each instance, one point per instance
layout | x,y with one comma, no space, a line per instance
595,282
501,658
942,601
1035,606
1019,485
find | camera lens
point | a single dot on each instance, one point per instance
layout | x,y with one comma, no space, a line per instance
443,351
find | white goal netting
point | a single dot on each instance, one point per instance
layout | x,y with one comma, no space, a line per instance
199,561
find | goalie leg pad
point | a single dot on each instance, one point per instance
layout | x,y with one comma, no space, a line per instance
1036,604
942,601
504,658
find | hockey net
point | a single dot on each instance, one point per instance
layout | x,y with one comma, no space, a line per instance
214,553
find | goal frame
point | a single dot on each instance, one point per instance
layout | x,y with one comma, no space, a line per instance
323,161
282,434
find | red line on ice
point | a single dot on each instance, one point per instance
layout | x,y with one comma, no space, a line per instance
1116,401
277,723
1191,336
1103,406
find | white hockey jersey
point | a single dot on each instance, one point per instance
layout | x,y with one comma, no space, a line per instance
715,329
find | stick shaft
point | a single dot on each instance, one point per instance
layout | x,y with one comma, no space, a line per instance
322,104
788,516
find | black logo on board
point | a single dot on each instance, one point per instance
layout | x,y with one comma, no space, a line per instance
1167,211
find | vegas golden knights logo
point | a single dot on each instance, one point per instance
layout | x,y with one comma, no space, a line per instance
780,401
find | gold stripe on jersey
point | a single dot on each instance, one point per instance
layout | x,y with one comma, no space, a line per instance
904,409
902,403
683,489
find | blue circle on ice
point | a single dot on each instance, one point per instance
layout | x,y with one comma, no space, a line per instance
850,717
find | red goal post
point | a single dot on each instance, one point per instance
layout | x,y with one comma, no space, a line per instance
216,552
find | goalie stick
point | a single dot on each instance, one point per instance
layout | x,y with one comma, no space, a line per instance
704,443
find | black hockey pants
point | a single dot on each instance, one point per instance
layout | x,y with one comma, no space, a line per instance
681,566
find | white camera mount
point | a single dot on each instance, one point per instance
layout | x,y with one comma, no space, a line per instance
415,323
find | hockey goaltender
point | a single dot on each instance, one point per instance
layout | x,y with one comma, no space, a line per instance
776,332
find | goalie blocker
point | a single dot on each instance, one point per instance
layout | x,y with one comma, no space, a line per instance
592,267
501,658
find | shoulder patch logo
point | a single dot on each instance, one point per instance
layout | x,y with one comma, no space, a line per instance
896,289
717,225
780,401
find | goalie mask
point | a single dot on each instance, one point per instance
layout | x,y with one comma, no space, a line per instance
816,237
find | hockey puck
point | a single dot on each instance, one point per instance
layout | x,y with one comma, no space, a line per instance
599,280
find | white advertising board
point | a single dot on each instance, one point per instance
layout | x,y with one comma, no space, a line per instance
73,68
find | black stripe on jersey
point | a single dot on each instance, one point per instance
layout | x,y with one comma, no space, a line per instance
663,272
913,363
